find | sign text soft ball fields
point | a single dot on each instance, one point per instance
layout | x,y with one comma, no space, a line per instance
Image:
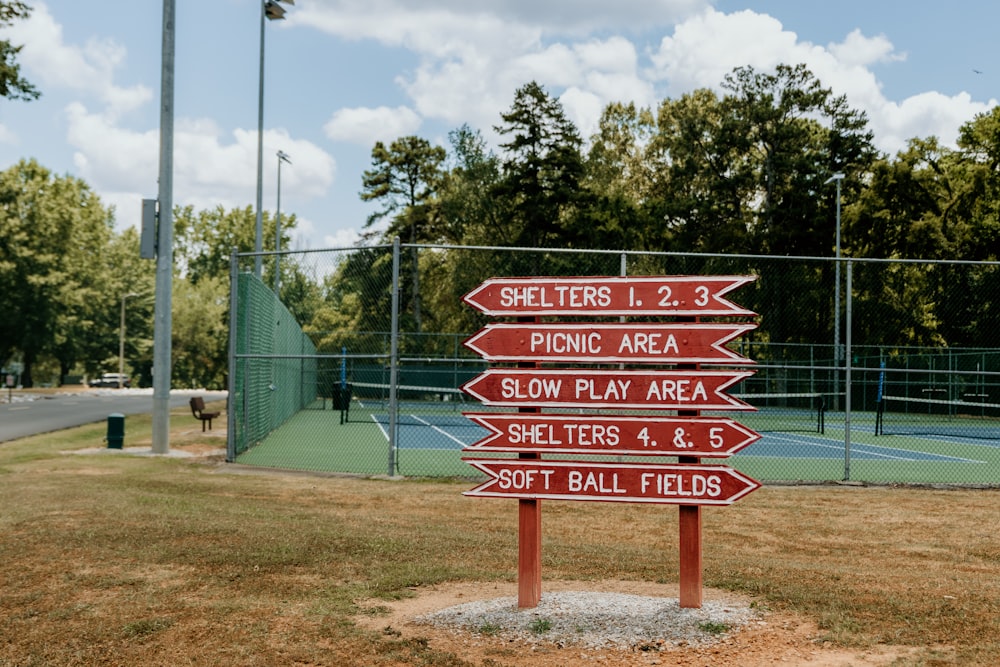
612,482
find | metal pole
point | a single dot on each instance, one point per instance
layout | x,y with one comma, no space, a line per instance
259,229
847,382
394,358
836,310
282,157
162,325
838,177
234,277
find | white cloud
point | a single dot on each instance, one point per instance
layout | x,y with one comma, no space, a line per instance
342,238
397,22
209,169
111,157
857,49
365,126
702,50
924,115
6,135
90,69
583,108
474,55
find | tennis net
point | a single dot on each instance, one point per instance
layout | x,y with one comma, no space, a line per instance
972,417
416,405
784,412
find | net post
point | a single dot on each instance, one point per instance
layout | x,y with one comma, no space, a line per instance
821,415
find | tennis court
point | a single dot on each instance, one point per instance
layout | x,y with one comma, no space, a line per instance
800,442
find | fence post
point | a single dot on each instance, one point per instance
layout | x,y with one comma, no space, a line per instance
234,277
849,362
394,359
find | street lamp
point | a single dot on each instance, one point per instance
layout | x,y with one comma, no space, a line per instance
838,177
282,157
121,342
272,11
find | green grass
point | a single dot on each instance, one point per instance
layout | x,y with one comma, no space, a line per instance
540,626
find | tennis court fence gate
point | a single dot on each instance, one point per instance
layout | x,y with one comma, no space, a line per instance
865,370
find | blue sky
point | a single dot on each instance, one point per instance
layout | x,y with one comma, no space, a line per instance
341,74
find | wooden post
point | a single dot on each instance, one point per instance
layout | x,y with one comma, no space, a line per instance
529,551
689,527
529,530
689,518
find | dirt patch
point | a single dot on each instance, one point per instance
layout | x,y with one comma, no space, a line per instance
775,638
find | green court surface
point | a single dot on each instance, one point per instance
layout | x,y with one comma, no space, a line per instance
428,446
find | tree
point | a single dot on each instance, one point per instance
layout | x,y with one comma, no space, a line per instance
404,178
618,178
542,169
469,213
204,241
979,198
700,187
54,272
793,134
200,340
12,85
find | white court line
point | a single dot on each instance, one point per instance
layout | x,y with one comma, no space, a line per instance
442,432
859,449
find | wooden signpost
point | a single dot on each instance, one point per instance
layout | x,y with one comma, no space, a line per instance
684,346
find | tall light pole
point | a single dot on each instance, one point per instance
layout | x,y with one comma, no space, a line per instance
162,317
838,177
121,341
272,11
282,157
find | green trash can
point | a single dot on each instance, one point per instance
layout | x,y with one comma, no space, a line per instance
116,430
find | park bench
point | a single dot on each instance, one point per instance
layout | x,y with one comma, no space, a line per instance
198,410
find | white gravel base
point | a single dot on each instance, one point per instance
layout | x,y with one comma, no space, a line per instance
597,620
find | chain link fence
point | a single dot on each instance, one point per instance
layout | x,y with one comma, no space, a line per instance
357,367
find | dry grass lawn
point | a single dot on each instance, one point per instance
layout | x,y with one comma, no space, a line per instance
117,559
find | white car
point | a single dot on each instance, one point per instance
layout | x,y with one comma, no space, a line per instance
111,380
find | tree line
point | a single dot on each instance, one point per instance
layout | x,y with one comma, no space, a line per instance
745,171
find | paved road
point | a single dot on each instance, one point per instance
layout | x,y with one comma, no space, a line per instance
58,411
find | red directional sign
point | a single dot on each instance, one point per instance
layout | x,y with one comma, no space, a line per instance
665,390
600,434
596,343
678,484
647,295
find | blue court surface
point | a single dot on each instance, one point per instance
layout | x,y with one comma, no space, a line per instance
429,433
